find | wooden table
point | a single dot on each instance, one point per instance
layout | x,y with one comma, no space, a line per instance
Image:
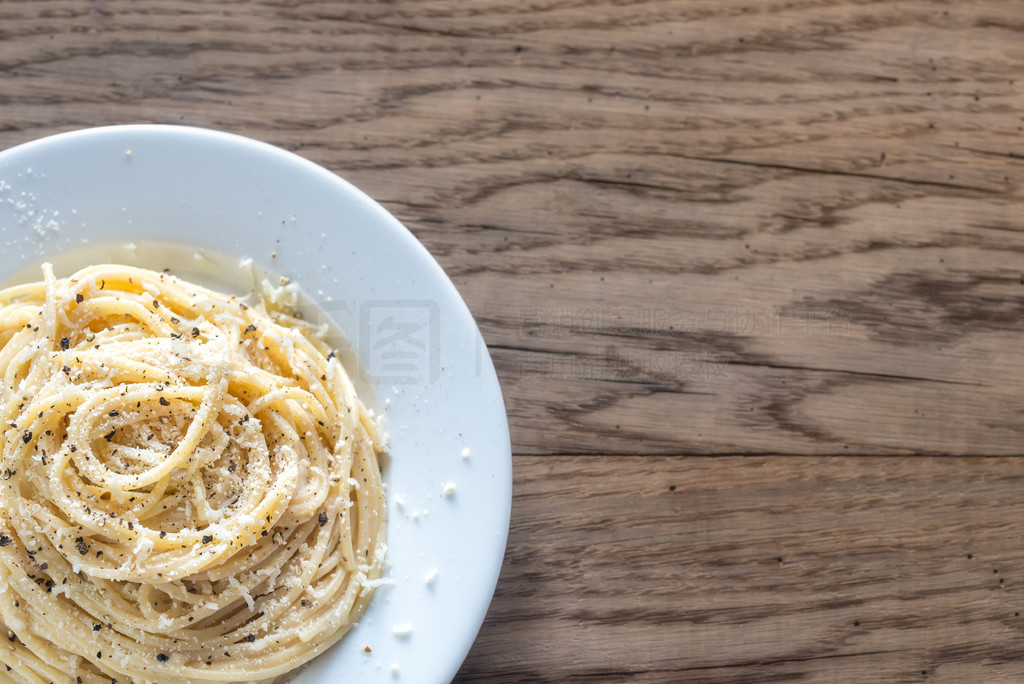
750,271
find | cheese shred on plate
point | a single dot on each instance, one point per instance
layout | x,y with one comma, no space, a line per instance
190,489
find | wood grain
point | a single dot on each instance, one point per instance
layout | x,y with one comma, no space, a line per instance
750,271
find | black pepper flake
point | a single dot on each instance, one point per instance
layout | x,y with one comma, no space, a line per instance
115,412
322,519
72,448
65,370
174,320
162,658
27,437
207,538
4,540
251,638
99,654
82,547
330,356
97,627
164,402
65,343
243,307
232,466
156,304
79,297
195,332
110,435
163,534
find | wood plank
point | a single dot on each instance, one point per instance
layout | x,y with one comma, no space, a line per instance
653,569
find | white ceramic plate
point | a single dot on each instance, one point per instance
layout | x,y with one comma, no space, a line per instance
112,193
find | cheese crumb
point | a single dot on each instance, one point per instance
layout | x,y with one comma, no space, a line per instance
403,630
399,501
465,453
431,576
449,489
394,669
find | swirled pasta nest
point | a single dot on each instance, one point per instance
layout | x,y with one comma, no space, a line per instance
190,488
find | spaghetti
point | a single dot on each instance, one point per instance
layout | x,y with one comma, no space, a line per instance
190,488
